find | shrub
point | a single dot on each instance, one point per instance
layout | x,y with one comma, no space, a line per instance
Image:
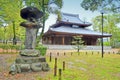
42,49
7,48
78,42
117,45
107,43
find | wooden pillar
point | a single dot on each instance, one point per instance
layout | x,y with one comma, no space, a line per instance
52,40
95,42
47,40
63,40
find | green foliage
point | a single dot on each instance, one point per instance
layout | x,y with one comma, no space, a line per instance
10,15
6,33
110,26
78,42
44,5
42,49
106,44
9,49
116,45
10,46
90,4
108,5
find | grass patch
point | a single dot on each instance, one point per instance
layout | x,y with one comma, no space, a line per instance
78,67
86,67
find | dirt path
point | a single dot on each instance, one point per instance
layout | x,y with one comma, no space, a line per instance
6,60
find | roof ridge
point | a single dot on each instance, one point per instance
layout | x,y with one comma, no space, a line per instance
70,14
73,15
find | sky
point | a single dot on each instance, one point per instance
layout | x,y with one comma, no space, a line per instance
73,7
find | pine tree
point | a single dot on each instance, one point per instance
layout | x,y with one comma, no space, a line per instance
78,42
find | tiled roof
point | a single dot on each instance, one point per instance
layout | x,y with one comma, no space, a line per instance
64,29
73,18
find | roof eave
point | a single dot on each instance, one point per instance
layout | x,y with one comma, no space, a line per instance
99,36
79,24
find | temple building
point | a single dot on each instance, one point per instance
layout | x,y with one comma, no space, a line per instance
69,25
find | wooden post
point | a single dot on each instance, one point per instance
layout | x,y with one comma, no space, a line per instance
113,52
57,53
63,65
86,53
50,56
55,67
103,52
98,52
71,53
92,53
60,73
64,53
